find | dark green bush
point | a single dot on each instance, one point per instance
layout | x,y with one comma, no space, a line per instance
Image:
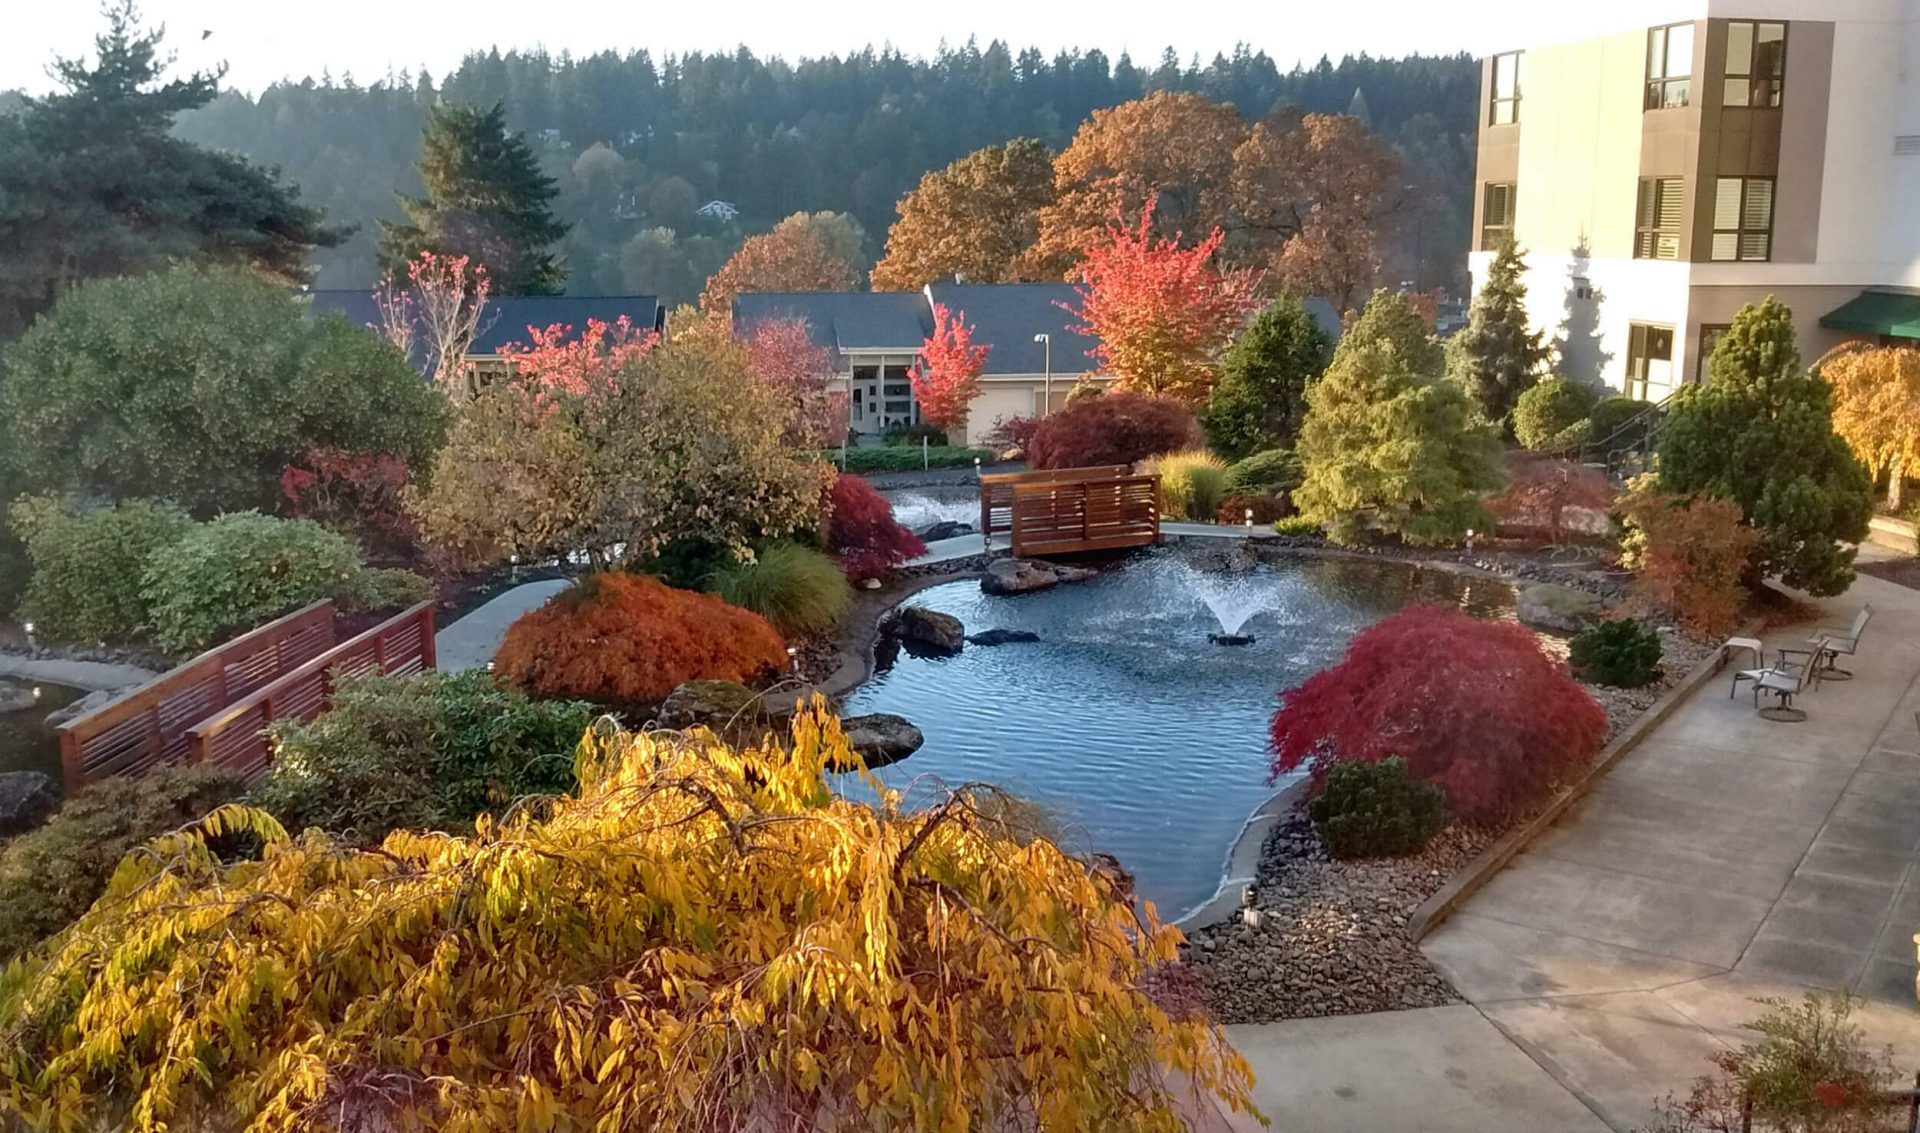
424,752
1367,810
800,590
88,564
934,435
49,876
1624,653
1550,408
1271,472
1611,414
907,459
385,588
241,570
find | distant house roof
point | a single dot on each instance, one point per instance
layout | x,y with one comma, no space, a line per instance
507,319
1006,316
719,210
895,322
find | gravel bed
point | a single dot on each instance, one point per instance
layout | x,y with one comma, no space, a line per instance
1332,938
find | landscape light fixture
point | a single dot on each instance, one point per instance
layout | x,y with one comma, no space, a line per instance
1046,372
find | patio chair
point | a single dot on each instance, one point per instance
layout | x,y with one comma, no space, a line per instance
1789,679
1842,642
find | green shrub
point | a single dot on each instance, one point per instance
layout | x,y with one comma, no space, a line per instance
1612,413
429,751
1192,484
88,563
1548,409
1297,525
49,876
907,459
800,590
1367,810
239,571
385,588
1269,472
912,435
1624,653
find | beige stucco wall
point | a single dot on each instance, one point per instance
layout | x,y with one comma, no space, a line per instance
1580,126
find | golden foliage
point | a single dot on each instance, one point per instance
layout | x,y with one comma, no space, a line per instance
703,939
1876,407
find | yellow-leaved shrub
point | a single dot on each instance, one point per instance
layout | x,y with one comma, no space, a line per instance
702,938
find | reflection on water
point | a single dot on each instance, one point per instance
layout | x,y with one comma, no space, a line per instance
1146,741
26,743
917,509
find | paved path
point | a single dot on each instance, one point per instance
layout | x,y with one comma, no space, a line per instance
965,546
471,641
94,676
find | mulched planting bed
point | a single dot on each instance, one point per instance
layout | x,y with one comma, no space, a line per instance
1900,572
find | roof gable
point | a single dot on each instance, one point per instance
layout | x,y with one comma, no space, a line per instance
507,319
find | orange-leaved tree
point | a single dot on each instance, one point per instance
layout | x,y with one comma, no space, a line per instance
1876,408
946,373
700,939
559,361
797,255
1162,313
1689,556
977,219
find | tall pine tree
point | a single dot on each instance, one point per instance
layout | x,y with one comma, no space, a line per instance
1262,392
1388,444
1498,356
94,183
486,199
1759,432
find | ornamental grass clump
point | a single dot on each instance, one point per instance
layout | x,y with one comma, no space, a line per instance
702,938
800,590
617,638
1192,484
1624,653
1370,810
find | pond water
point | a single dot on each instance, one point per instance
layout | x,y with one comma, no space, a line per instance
917,509
1142,738
26,743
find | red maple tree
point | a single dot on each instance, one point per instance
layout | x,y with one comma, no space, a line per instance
861,530
1162,313
946,374
1473,706
1542,490
561,362
783,356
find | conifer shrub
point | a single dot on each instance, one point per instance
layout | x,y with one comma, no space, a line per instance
1544,414
1271,471
800,590
88,564
1371,810
239,571
49,876
385,588
1192,484
861,530
1118,427
617,638
1474,707
1624,653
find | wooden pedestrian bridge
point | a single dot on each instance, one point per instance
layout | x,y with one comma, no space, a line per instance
1069,510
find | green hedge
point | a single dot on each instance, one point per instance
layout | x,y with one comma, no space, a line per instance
88,565
907,458
241,570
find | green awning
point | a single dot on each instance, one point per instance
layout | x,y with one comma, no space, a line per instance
1893,313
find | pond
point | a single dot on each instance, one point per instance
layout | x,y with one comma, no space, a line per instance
1141,737
917,509
26,743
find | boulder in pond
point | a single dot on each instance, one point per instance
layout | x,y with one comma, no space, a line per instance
83,706
713,704
930,630
16,698
1023,576
1002,637
945,529
27,799
1561,609
882,738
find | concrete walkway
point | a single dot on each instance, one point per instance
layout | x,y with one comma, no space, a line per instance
966,546
471,641
1725,859
94,676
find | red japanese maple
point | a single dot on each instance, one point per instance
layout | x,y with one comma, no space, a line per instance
1542,491
1162,313
946,375
358,492
1473,706
862,532
562,362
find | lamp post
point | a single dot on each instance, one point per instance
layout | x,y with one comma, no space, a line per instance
1046,379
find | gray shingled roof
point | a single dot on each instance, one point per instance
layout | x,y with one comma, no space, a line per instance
894,321
506,319
1006,316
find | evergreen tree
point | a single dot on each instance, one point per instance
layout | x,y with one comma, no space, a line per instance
1388,443
1498,356
93,182
1261,396
1759,432
486,199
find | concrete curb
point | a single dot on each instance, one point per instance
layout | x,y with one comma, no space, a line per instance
1242,865
1434,911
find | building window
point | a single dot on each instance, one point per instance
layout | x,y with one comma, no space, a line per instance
1756,63
1743,218
1669,66
1496,216
1710,335
1505,108
1656,231
1649,361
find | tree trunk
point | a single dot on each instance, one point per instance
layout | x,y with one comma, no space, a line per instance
1895,475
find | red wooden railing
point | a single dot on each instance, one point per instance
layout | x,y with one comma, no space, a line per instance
1070,510
997,490
146,728
236,737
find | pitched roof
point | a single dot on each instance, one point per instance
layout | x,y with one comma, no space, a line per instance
1006,316
844,321
507,318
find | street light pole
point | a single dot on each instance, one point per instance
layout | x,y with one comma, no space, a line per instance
1046,379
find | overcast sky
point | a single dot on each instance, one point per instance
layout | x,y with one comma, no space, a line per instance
265,40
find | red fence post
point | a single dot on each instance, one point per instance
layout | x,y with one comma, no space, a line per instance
429,657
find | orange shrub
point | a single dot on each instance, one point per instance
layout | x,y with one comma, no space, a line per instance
629,638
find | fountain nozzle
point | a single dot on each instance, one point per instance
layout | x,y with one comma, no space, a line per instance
1231,638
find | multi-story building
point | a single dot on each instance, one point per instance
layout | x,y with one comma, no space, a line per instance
1661,178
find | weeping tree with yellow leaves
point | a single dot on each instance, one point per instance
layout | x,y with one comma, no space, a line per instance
1876,408
702,938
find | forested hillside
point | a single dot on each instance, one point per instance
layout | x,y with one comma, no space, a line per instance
639,145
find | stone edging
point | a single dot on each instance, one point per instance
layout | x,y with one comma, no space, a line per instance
1242,864
857,642
1466,881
